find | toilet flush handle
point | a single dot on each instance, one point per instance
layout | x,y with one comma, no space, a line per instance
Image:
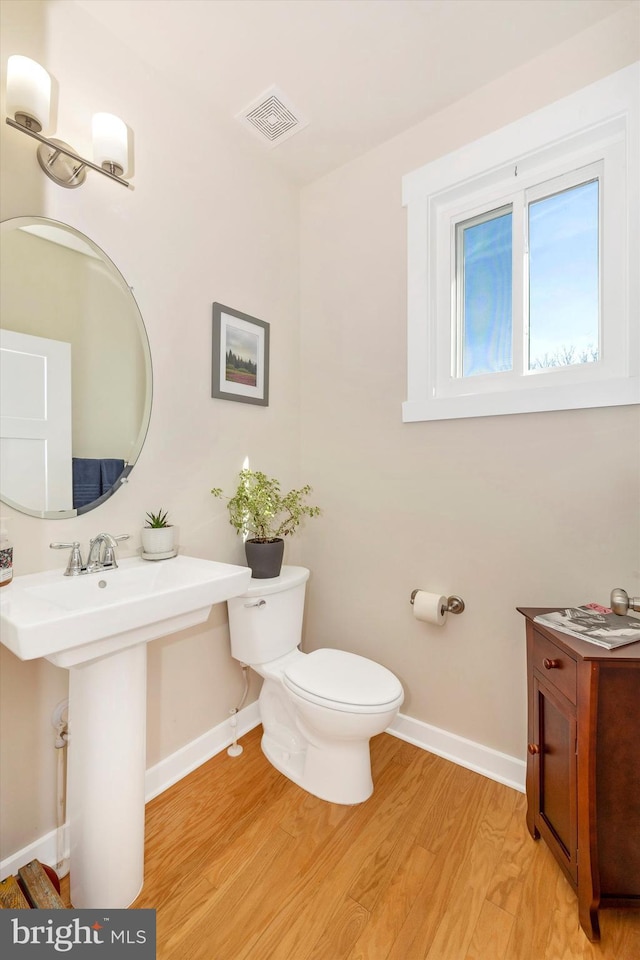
257,603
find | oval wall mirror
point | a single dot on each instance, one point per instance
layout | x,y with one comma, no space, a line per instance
75,371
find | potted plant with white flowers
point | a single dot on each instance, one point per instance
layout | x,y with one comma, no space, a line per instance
264,515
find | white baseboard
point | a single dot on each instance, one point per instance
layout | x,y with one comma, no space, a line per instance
157,779
490,763
188,758
44,849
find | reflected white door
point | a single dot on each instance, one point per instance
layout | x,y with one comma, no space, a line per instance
35,421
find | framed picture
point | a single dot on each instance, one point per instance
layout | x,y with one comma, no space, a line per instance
240,357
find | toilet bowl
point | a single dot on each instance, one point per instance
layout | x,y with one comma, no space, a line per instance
318,710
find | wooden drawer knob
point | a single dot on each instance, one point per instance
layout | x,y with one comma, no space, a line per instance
550,664
533,748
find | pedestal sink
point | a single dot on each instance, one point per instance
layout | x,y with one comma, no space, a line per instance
97,627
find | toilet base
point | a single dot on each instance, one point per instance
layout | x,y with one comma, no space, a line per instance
339,774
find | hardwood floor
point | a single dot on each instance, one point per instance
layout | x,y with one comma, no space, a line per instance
243,865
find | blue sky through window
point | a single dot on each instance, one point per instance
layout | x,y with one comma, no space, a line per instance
487,340
563,284
563,277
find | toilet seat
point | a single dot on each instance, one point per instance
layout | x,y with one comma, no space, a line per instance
343,681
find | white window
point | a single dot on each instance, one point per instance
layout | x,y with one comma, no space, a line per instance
523,263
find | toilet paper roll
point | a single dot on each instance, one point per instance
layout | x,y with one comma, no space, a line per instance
430,607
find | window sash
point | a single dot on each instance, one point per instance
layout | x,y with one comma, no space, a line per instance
448,380
459,299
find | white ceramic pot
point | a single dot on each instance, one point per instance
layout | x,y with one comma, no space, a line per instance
158,539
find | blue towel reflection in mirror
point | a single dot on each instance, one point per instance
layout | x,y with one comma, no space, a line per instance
92,478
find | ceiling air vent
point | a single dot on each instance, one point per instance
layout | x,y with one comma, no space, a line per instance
272,117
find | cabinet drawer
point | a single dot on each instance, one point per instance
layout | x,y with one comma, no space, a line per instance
556,666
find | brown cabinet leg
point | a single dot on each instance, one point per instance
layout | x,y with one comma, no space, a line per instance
533,830
589,922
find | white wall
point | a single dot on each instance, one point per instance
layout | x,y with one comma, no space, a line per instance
208,220
538,509
504,510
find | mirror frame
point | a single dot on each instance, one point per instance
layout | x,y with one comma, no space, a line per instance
16,223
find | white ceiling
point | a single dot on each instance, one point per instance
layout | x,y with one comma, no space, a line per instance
361,71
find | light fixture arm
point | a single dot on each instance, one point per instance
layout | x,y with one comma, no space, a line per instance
56,145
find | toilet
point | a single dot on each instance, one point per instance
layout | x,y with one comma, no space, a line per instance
318,710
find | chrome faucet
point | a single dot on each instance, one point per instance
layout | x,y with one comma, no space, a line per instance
102,554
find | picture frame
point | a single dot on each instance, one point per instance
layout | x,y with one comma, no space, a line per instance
239,357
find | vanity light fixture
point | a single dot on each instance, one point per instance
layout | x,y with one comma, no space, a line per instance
29,100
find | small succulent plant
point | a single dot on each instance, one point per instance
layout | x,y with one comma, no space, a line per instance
158,519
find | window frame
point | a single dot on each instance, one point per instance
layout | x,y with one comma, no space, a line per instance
595,129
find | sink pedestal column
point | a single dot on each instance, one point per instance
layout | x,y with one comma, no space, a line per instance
106,777
98,628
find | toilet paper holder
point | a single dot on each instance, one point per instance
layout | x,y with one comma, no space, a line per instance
454,604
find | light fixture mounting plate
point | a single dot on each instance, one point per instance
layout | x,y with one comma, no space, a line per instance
63,170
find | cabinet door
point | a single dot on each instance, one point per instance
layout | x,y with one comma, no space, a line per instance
554,725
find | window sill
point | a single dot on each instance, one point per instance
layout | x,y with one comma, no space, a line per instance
605,393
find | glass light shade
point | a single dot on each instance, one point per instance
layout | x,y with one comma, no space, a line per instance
110,141
28,90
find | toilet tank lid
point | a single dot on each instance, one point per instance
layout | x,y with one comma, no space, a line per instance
344,678
289,577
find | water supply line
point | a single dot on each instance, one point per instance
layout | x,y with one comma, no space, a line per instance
61,726
235,749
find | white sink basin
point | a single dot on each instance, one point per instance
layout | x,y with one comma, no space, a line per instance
71,620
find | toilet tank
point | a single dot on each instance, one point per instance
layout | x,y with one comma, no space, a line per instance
266,622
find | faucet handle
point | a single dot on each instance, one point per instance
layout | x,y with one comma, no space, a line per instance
109,558
75,564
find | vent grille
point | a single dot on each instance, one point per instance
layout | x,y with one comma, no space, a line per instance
272,117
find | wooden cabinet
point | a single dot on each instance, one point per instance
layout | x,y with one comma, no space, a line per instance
583,764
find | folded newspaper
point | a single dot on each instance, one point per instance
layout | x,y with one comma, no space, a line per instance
593,623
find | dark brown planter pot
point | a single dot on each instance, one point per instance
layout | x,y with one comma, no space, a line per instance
264,557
